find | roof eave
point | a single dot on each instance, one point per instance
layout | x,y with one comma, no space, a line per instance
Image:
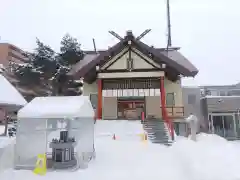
91,66
181,69
192,74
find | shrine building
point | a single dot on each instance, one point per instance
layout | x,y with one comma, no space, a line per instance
132,79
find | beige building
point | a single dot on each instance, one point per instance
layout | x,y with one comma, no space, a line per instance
10,53
131,80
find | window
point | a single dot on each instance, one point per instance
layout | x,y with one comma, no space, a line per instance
191,99
208,92
214,93
170,100
222,93
234,92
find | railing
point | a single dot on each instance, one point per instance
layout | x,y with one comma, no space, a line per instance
175,111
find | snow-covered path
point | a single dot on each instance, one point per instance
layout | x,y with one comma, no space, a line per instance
210,158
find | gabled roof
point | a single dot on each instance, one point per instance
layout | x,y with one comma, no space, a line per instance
180,59
85,61
172,58
9,95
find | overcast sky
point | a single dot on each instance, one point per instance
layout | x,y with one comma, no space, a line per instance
208,31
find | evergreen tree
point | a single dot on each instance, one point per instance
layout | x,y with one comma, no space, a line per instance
70,54
49,70
70,51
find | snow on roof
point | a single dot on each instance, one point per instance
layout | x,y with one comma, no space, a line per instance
57,107
9,95
220,97
197,87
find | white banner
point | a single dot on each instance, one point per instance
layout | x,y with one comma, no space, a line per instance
130,92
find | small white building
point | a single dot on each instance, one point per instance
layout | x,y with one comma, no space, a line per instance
46,121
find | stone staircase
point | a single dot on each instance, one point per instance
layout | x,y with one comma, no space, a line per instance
157,131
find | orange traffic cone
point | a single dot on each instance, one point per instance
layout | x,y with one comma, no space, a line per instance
114,137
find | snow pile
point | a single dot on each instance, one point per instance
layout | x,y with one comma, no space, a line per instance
2,128
6,153
9,94
117,160
210,158
133,160
5,141
210,138
57,107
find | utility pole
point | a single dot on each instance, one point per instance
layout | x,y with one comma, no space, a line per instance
169,38
94,45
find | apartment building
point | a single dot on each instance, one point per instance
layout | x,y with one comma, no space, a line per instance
221,109
11,53
224,90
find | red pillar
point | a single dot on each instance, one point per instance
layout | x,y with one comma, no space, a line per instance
164,111
99,107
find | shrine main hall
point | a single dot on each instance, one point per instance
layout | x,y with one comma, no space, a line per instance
132,79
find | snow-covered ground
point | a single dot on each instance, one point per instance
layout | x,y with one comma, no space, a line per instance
6,151
127,130
210,158
2,129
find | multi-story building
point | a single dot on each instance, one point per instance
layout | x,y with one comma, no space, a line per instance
224,90
217,108
220,107
10,53
132,79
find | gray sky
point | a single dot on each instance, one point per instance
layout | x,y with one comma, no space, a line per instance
208,31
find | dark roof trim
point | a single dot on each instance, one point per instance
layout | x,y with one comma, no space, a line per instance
145,49
169,49
100,59
163,59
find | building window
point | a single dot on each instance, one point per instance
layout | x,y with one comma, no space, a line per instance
234,92
214,93
191,99
208,92
170,99
222,93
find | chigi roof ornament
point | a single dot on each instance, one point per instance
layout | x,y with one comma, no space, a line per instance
130,33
